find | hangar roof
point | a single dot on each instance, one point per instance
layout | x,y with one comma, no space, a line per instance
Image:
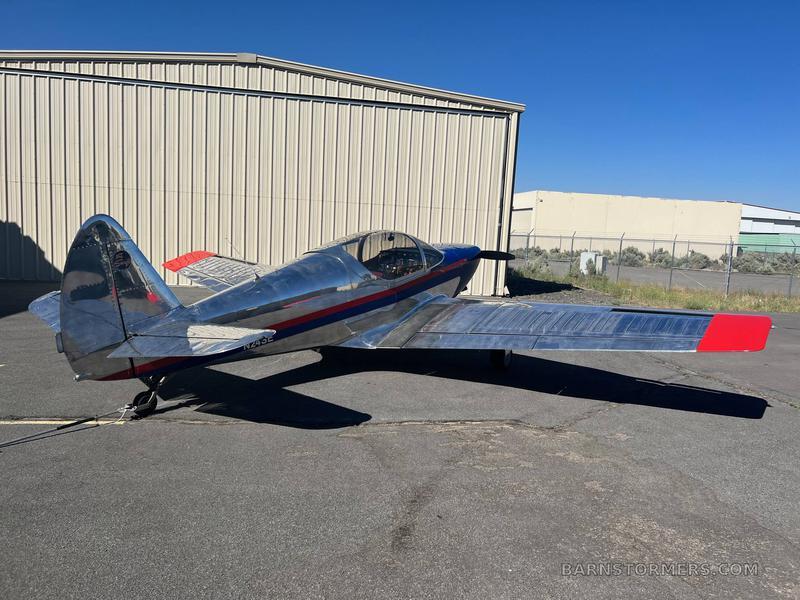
249,58
754,211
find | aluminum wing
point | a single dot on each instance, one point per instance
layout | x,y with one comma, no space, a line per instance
215,272
456,323
169,339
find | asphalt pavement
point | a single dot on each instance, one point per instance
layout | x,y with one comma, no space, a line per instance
386,474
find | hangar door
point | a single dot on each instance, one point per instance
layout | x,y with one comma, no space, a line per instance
256,174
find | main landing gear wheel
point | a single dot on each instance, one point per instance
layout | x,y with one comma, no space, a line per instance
501,359
144,403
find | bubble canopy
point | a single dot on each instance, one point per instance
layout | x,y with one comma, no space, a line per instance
386,254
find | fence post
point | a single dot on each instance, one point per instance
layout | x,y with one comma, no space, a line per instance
571,250
528,246
728,270
619,255
791,271
672,262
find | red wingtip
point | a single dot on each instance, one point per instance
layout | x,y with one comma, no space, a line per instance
736,333
176,264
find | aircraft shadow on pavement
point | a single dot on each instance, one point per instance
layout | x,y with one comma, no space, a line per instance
519,285
268,401
256,400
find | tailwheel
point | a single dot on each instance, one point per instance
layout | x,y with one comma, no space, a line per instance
501,359
144,403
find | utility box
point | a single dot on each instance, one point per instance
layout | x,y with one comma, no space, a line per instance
598,260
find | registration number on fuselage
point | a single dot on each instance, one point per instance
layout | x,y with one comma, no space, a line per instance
259,342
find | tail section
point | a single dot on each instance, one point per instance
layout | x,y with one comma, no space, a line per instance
108,287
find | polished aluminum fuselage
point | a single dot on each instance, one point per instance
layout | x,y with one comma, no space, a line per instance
115,317
325,297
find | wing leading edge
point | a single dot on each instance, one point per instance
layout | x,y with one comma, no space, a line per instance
454,323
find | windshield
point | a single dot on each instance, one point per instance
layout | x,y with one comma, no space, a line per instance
432,256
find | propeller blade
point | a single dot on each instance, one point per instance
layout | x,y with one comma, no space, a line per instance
495,255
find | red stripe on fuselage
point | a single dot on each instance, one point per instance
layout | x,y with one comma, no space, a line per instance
359,301
165,362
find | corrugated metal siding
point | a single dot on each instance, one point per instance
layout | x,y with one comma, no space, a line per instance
258,175
769,242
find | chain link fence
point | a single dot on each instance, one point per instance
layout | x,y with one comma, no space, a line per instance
724,267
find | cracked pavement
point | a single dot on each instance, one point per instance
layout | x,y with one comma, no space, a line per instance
424,475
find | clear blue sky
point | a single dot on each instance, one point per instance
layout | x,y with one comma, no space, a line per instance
687,99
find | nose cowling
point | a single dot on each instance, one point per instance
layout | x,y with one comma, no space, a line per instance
456,252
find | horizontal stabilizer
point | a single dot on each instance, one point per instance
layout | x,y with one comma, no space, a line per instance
190,339
48,309
217,273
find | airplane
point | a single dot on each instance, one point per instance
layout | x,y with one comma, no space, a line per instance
115,317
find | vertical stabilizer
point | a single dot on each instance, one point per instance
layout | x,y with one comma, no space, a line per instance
108,286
